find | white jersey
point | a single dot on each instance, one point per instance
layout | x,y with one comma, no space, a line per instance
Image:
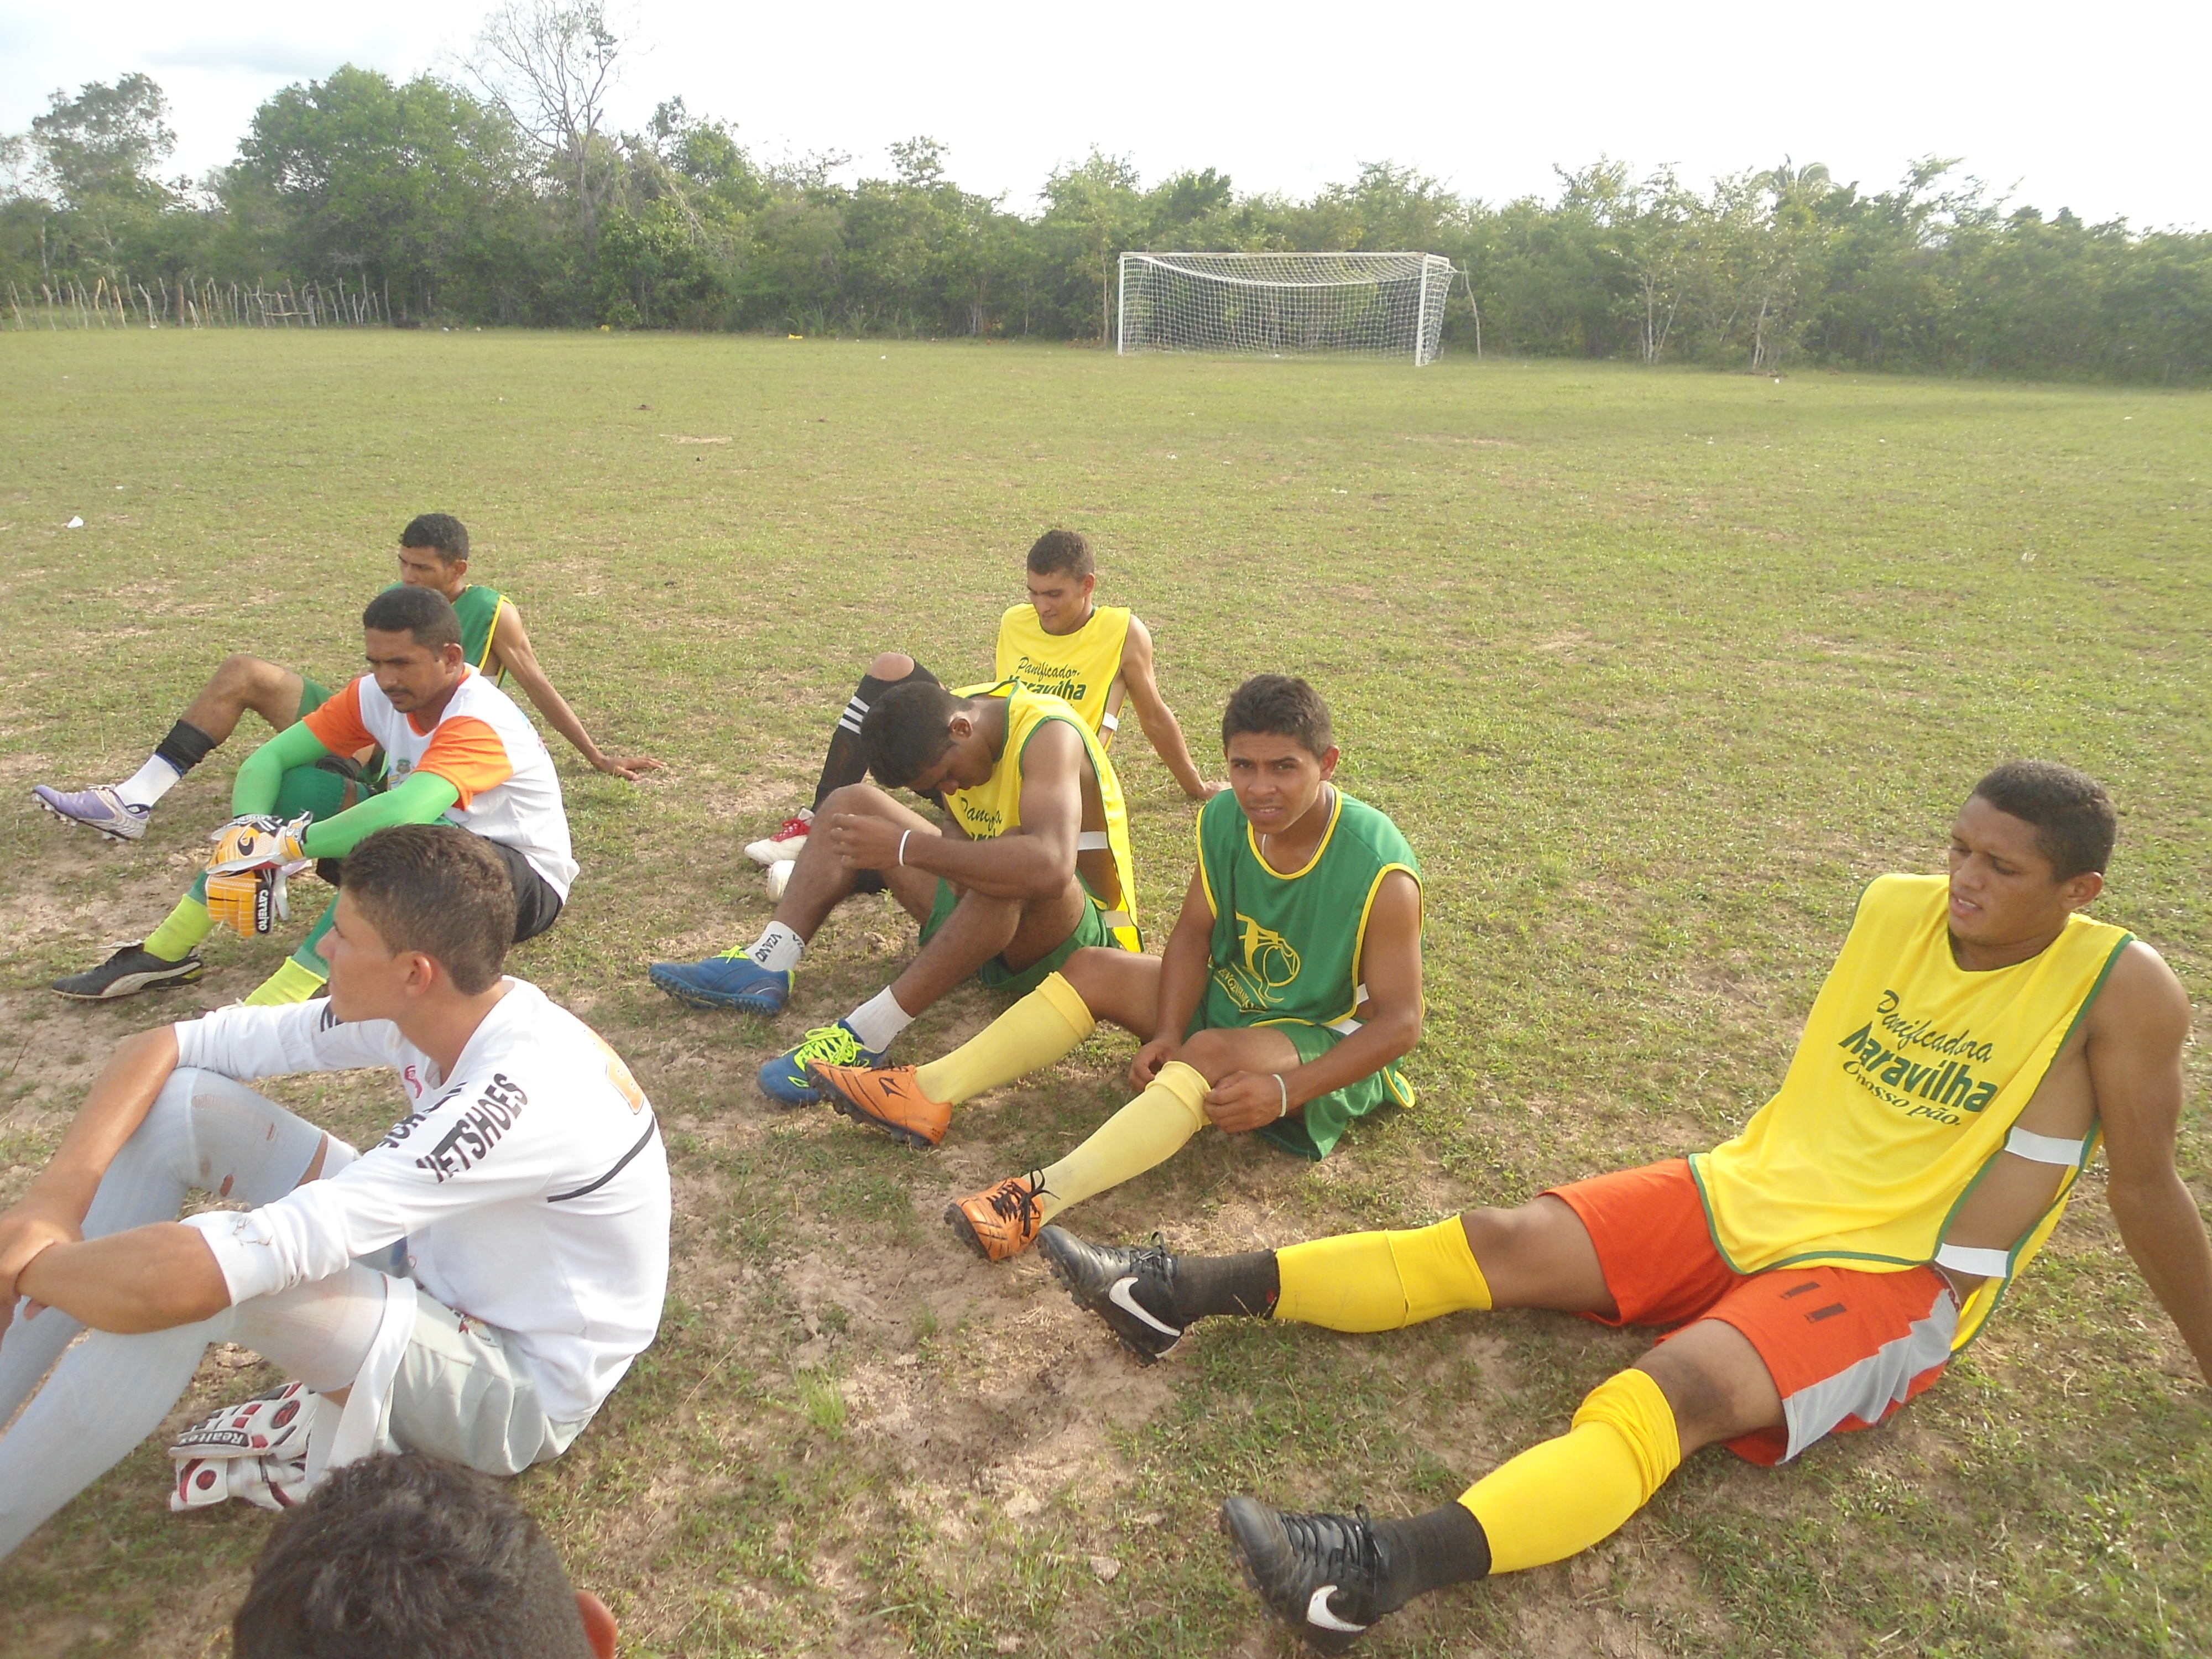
482,745
531,1188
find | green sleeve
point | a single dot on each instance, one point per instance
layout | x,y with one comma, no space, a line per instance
420,800
254,789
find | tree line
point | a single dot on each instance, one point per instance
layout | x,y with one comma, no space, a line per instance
503,195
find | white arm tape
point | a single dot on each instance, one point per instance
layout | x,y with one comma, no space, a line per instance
1110,723
2045,1149
240,1241
1983,1263
1092,840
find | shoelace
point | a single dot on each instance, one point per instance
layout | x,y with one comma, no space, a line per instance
792,829
1345,1549
833,1045
1016,1200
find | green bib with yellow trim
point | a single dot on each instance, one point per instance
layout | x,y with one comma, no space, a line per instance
993,807
1910,1075
478,608
1286,948
1078,668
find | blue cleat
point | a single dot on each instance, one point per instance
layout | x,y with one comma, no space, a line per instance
732,980
786,1079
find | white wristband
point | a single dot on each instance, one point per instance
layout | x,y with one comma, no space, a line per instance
1285,1088
903,834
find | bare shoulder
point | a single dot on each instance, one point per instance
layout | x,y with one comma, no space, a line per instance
1138,641
2142,1001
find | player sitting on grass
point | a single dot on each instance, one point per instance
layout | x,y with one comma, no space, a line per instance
1289,989
434,553
456,747
1974,1041
1088,655
525,1197
1033,865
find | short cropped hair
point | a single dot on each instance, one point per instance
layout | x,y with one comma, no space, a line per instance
441,532
904,731
1062,550
424,612
2074,822
436,889
409,1555
1280,705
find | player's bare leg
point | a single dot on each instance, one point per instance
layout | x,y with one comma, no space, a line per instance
241,683
244,683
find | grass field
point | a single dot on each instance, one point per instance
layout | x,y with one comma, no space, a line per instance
1654,670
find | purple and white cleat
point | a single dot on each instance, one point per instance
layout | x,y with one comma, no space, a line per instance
97,808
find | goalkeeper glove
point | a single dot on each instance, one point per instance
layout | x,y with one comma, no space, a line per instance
253,859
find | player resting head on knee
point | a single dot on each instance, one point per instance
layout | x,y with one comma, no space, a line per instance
411,1555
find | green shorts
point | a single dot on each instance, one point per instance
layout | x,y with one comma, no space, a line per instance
313,694
1090,930
1315,1131
326,788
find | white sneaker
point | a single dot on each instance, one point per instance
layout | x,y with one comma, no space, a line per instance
785,844
779,878
101,808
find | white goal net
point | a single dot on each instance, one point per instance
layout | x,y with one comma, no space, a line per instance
1381,304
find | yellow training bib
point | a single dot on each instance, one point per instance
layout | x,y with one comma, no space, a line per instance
1078,668
993,807
1909,1074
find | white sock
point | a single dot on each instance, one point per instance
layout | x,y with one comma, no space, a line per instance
108,1394
149,783
878,1020
778,950
202,1131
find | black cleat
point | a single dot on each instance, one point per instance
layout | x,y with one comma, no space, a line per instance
131,969
1320,1574
1133,1291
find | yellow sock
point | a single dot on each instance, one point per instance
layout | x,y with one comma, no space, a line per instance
1559,1498
1036,1031
1380,1281
188,924
1150,1129
289,983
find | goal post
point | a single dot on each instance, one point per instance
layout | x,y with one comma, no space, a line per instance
1379,305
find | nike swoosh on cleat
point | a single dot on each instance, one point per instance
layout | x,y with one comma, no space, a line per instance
1317,1612
1119,1296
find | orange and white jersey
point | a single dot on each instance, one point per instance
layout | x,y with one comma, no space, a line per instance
482,745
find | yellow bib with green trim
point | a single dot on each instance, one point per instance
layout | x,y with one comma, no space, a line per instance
993,807
1078,668
1910,1075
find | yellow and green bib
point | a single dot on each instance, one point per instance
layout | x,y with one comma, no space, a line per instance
1078,668
993,807
1910,1075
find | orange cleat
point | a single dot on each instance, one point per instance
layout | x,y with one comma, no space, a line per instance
1000,1222
889,1099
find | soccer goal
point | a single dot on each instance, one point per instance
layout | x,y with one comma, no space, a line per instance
1380,305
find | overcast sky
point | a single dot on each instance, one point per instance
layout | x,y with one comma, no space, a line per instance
2099,109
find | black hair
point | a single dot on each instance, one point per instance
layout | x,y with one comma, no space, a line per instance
1282,706
2074,822
409,1555
1062,550
905,732
441,532
436,889
421,611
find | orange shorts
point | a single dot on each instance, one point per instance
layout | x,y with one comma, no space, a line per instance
1845,1347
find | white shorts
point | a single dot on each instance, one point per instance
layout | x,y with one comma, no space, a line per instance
461,1393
